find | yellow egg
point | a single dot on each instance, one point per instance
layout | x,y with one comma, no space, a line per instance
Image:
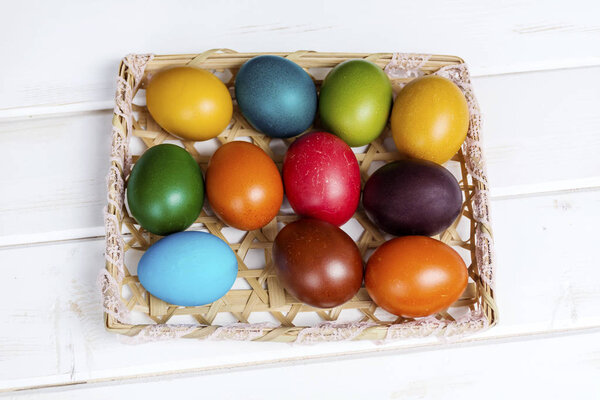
188,102
430,119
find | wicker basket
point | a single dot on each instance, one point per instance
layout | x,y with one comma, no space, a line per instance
258,308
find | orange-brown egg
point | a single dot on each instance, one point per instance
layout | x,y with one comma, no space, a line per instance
243,185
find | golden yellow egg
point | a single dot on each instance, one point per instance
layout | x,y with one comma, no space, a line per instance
430,119
188,102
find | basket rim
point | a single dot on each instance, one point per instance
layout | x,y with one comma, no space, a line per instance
374,332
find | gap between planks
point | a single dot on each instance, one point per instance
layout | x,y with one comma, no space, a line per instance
482,340
97,232
58,110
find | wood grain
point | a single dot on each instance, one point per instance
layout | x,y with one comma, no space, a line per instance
513,369
54,177
540,130
63,56
52,321
539,134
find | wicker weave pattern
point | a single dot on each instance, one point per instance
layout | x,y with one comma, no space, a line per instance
122,292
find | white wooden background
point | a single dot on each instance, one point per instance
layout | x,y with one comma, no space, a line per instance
537,76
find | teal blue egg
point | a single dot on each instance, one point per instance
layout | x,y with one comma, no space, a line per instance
188,268
276,96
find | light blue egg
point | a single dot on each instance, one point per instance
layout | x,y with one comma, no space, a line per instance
188,268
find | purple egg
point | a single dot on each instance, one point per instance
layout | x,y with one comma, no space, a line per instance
412,197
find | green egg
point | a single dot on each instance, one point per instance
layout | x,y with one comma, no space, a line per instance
355,101
165,192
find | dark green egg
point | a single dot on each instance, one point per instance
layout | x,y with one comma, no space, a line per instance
165,191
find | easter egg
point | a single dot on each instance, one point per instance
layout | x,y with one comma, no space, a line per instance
190,103
317,262
412,197
276,96
243,185
188,268
430,119
165,191
355,101
322,178
415,276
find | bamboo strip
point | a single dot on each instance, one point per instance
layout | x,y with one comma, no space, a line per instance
265,293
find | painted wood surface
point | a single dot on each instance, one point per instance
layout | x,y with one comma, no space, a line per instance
537,68
536,124
497,370
52,323
64,56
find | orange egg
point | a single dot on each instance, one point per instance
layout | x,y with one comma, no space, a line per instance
188,102
243,186
415,276
430,119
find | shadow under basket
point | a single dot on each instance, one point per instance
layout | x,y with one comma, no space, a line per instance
257,307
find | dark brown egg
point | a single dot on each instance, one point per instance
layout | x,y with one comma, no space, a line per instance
318,263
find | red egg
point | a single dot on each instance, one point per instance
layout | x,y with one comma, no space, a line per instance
322,178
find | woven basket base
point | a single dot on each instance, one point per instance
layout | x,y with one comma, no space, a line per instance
257,306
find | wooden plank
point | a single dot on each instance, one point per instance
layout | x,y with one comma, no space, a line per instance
52,330
73,68
496,370
540,134
54,177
